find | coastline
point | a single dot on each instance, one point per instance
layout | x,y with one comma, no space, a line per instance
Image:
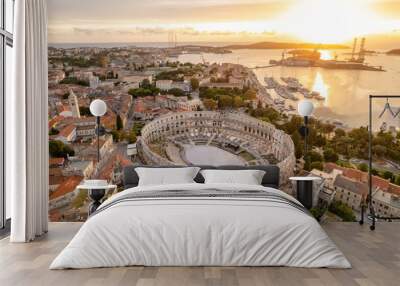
262,92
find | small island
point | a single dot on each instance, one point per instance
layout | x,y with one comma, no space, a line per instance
394,52
285,45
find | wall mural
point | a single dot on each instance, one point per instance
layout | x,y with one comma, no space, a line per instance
212,82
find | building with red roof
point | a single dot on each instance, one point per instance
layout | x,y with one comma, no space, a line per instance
56,162
67,134
55,120
64,193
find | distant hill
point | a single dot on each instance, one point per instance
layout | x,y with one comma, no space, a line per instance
395,52
282,45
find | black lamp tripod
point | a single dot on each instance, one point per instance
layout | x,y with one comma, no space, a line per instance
370,205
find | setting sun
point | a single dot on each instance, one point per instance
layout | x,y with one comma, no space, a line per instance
326,21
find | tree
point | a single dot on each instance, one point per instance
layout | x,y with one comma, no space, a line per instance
251,94
145,84
123,135
342,210
225,101
79,199
379,150
177,92
65,95
397,180
74,80
328,128
137,128
388,175
363,167
315,156
53,131
142,92
59,149
116,135
238,102
317,165
119,124
330,155
132,137
194,82
318,212
103,61
210,104
298,145
85,111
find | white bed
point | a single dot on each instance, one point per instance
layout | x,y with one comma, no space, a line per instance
202,231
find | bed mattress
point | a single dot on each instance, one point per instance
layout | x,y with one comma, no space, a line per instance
201,225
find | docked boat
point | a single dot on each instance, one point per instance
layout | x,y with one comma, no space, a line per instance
283,92
292,83
316,95
271,82
337,123
279,101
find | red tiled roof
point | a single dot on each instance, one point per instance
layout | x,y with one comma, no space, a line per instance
380,182
56,179
359,176
55,171
55,120
54,215
69,185
56,161
109,120
354,174
394,189
139,106
67,130
107,170
124,161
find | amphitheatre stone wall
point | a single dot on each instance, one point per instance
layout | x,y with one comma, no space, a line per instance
256,137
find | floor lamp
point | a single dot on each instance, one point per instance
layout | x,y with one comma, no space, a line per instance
97,108
305,108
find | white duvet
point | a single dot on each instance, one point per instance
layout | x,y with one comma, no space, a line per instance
202,232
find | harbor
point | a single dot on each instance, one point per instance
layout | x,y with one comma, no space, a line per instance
313,58
337,86
285,91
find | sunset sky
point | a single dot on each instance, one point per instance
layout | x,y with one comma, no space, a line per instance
322,21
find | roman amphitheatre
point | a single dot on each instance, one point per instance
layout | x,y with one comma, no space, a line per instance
215,138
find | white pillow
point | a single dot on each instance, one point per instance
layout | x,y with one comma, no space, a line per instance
247,177
166,176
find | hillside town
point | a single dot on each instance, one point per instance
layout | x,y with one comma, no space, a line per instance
140,85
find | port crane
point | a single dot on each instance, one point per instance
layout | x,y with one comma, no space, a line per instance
204,61
361,54
172,39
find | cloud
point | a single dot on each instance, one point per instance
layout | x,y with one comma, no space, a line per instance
162,11
186,31
387,8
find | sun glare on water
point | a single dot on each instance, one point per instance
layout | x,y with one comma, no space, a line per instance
320,86
330,21
326,55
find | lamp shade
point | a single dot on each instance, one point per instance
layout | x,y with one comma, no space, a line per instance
98,107
305,108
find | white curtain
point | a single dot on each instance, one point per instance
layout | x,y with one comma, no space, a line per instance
26,124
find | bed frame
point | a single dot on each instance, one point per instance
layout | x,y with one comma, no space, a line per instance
271,177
